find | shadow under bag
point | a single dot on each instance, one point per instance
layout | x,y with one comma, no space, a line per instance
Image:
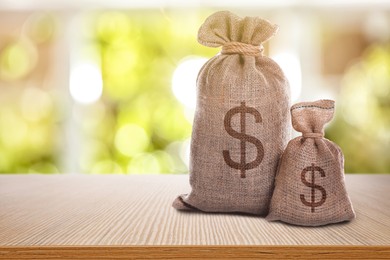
242,120
309,185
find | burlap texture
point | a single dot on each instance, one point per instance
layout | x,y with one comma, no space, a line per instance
298,198
241,123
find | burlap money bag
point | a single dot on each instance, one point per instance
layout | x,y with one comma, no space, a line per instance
241,123
309,186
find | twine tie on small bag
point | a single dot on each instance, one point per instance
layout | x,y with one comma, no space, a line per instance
312,135
242,48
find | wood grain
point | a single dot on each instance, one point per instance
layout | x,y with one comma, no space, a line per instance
118,214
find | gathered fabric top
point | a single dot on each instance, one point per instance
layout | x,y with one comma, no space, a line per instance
236,35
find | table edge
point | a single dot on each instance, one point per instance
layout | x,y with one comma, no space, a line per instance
201,252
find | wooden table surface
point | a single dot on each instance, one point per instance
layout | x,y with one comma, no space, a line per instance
92,216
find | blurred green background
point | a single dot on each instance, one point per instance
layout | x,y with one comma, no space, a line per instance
113,91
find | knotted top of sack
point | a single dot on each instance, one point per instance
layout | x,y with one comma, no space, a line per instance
309,118
236,34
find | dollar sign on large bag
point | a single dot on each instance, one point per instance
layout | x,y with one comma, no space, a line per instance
313,203
241,123
243,137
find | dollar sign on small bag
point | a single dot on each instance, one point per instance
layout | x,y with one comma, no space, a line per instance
313,204
243,166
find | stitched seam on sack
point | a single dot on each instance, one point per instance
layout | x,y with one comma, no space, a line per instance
312,106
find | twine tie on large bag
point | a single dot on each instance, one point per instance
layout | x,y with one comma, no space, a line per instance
242,48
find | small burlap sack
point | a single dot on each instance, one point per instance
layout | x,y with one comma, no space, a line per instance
309,185
241,123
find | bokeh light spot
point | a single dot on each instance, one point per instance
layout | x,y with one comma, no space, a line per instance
36,104
112,25
86,84
94,150
40,27
13,130
184,80
291,66
144,163
131,139
17,59
107,166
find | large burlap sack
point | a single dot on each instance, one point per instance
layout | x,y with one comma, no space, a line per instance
309,186
241,123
